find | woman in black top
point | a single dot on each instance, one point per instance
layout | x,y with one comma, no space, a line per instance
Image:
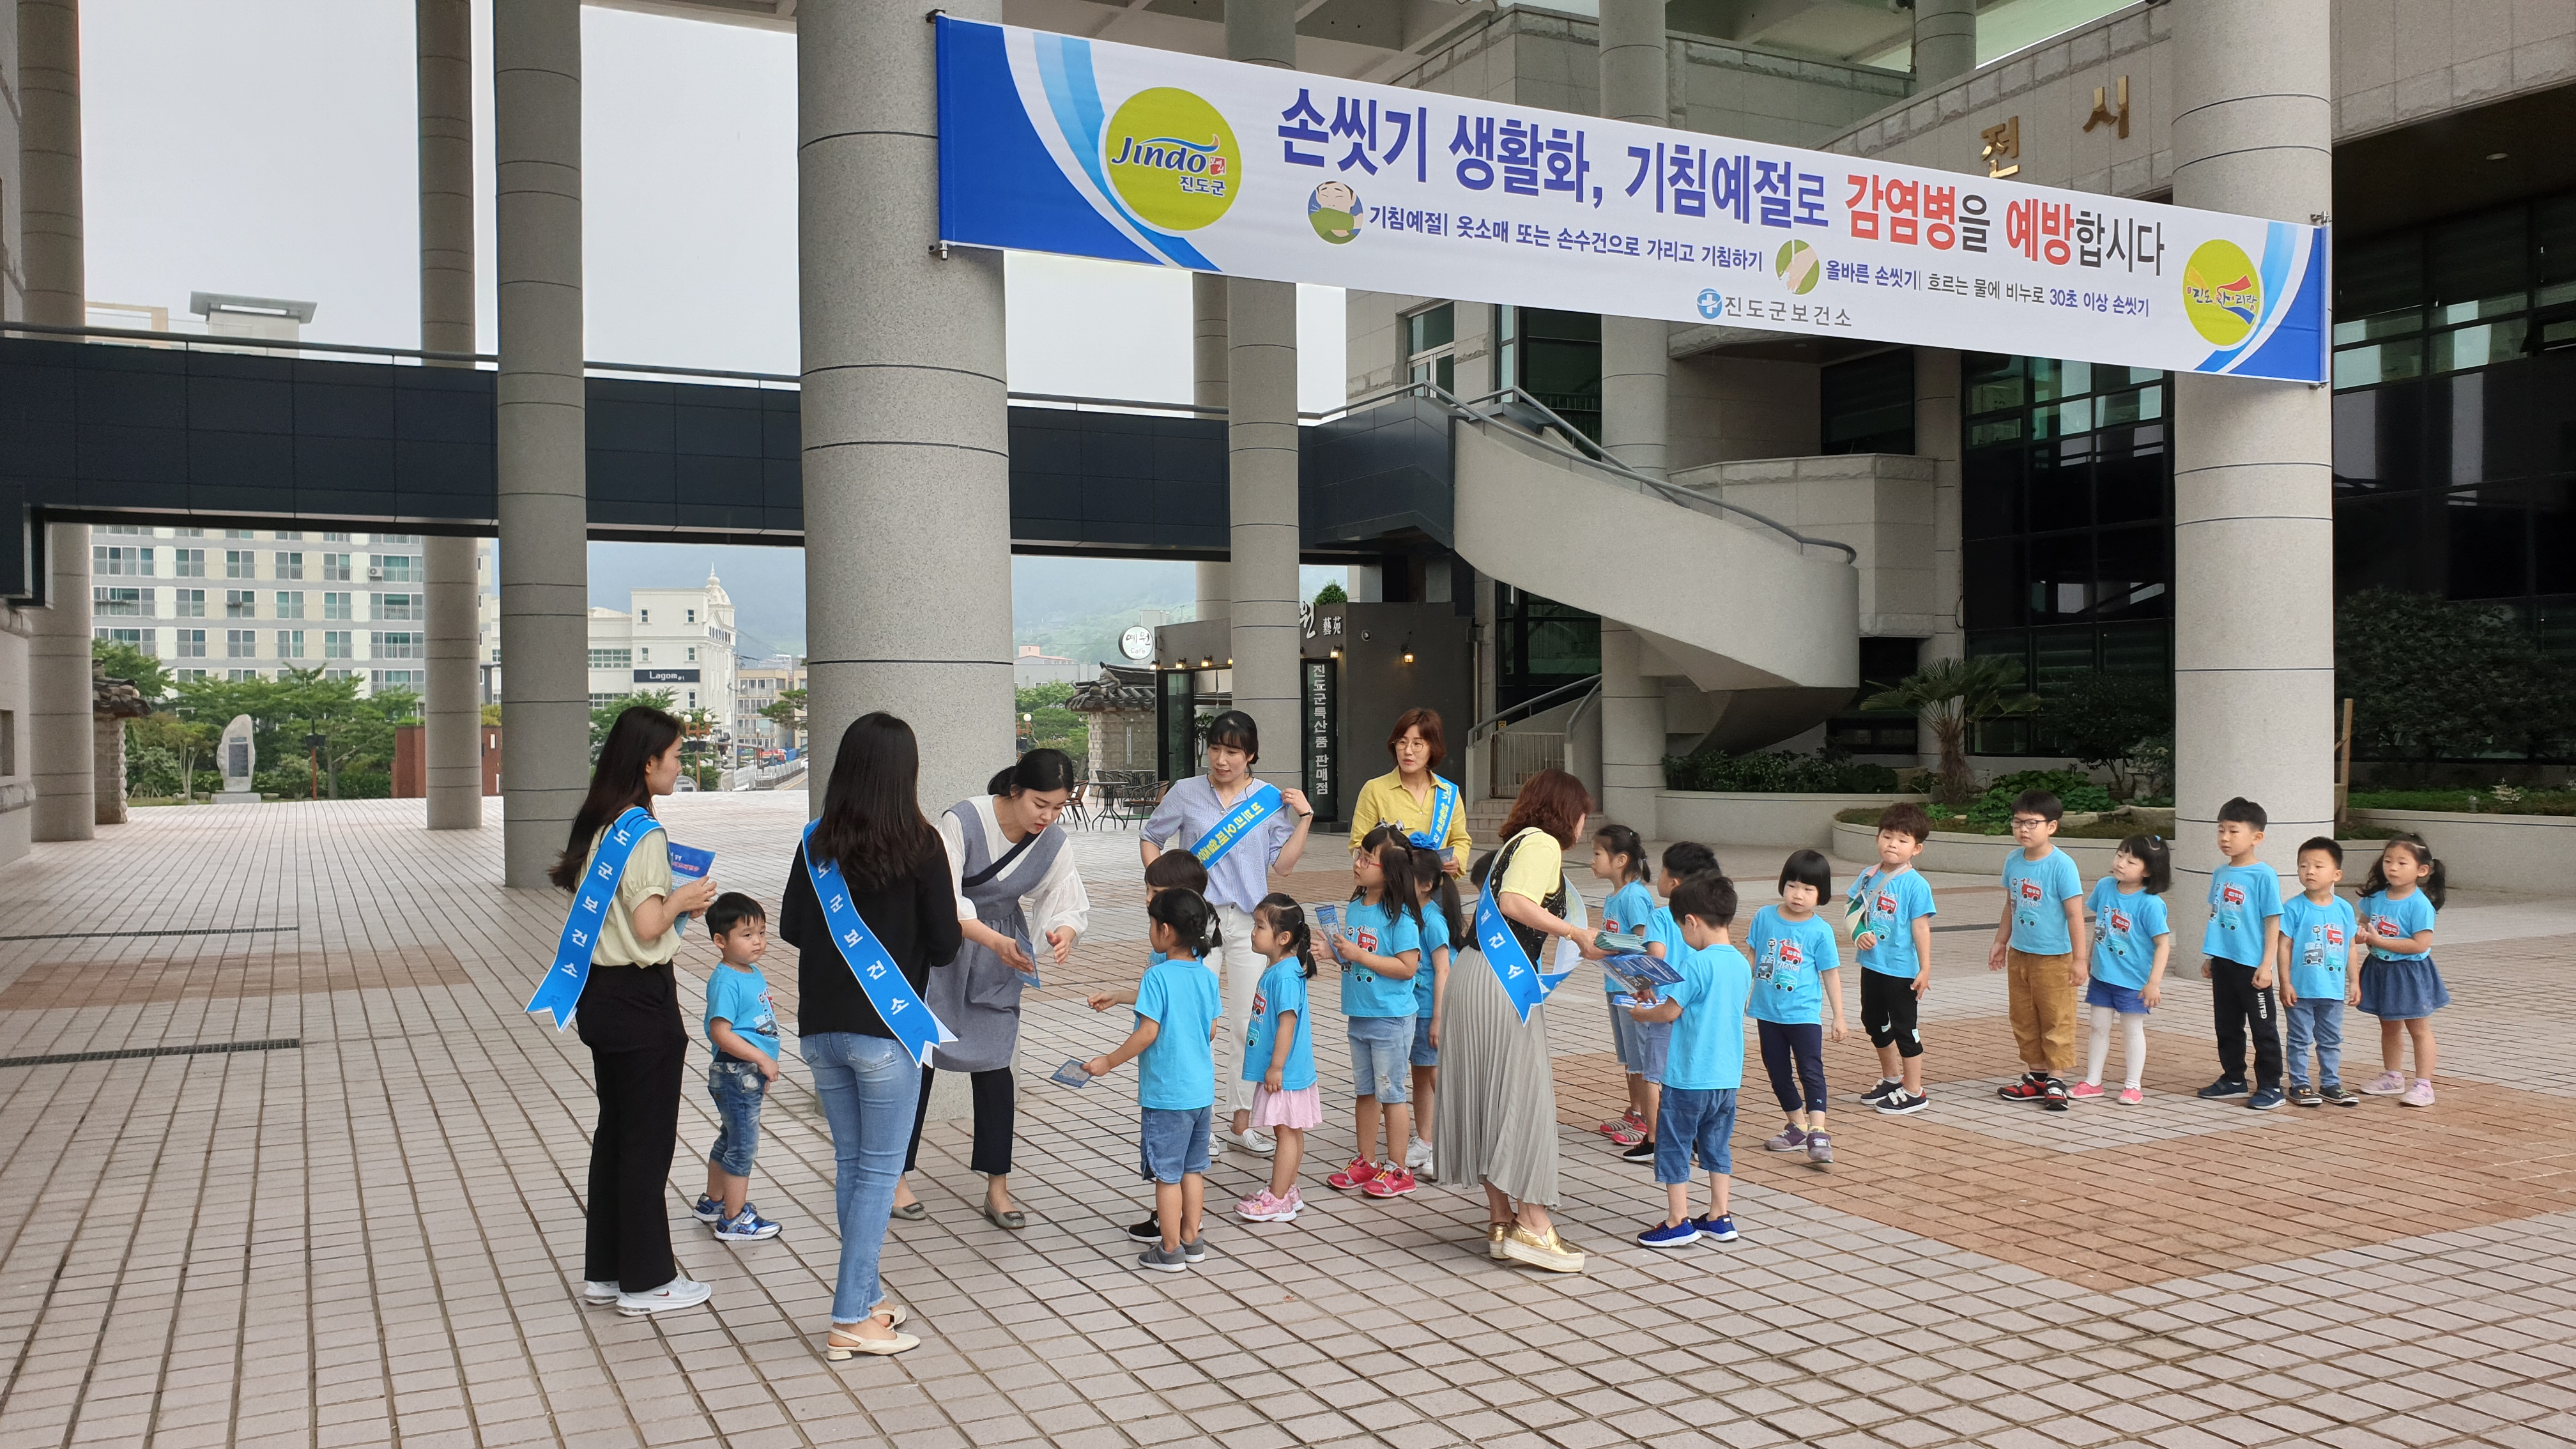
897,874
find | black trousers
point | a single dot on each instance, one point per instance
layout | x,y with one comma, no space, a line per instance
1888,1012
2240,1009
629,1017
995,1120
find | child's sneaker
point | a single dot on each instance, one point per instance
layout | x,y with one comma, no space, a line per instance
1148,1231
1261,1207
2085,1091
1643,1151
708,1210
2031,1087
1418,1156
1621,1131
2265,1099
2052,1095
1391,1181
1718,1230
1160,1259
1820,1149
1358,1175
1887,1087
2418,1095
2303,1095
1670,1235
1903,1103
747,1226
1791,1139
1196,1251
2390,1084
2221,1090
2131,1096
2336,1096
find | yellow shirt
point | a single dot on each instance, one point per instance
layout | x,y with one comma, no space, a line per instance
648,874
1537,868
1385,801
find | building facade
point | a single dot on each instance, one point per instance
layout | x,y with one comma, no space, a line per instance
678,641
758,683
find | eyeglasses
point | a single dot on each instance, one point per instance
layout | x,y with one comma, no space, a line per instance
2030,821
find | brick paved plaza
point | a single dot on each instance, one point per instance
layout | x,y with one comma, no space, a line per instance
363,1226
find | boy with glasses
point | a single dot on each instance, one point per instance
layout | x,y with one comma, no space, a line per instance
2041,938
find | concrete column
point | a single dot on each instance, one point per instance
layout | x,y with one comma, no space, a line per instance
452,719
1634,350
1936,436
1945,40
542,462
2253,461
1261,455
1209,389
60,743
908,608
1632,732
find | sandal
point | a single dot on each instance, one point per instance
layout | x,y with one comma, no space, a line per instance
911,1212
1013,1219
839,1346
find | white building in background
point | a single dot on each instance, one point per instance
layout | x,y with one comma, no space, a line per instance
679,640
757,685
1035,666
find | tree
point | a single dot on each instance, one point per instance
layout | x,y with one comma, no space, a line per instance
124,661
2441,679
2102,719
788,713
1953,696
604,715
1051,724
1331,594
182,741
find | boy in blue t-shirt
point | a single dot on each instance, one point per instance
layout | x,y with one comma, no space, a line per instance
742,1029
2041,937
1703,1063
1176,1015
2244,911
1891,910
1795,958
2319,939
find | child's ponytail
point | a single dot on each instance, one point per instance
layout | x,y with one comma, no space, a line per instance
1402,889
2157,856
1620,840
2434,885
1427,866
1190,917
1289,919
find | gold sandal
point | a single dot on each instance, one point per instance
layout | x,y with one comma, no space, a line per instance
1547,1250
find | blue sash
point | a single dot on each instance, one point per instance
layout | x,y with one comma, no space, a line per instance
560,992
1257,805
1444,803
898,1005
1524,983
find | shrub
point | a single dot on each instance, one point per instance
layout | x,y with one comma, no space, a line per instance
1779,772
2073,789
2441,679
2104,719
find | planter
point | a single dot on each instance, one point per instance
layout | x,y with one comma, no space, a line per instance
1755,817
2529,853
1983,855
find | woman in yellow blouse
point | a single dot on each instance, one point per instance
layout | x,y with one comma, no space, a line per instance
1410,797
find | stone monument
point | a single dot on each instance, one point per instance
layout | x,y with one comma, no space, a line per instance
235,758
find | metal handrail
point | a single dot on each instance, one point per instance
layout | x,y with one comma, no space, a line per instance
1533,704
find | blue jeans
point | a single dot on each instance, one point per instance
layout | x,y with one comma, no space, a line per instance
2316,1021
1382,1057
738,1090
1694,1123
870,1090
1173,1142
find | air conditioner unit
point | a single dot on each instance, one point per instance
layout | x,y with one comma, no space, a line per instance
375,574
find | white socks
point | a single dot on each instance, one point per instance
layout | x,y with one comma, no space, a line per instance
2133,1044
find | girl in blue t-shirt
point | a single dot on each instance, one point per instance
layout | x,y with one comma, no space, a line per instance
1619,857
2399,983
1279,1053
1379,947
2132,943
1442,923
1797,969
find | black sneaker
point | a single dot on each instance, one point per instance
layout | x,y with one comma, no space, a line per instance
2052,1095
1887,1087
1900,1103
2303,1095
2030,1088
1148,1231
2334,1095
2221,1089
1643,1151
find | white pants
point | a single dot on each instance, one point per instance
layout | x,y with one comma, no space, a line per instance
1238,971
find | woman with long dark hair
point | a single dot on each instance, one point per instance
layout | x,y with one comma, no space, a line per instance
629,1017
887,866
1011,869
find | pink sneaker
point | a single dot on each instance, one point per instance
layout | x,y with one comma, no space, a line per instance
1358,1175
1261,1207
1391,1181
2085,1091
2131,1096
2389,1084
2418,1095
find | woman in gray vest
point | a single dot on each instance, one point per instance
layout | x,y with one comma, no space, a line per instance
1011,868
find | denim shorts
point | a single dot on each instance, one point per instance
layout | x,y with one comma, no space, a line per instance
2126,1000
1382,1057
1424,1053
738,1090
1175,1142
1693,1122
1642,1044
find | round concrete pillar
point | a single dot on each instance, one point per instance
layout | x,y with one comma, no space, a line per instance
1635,351
1936,436
541,443
61,745
1632,732
1208,389
452,718
1945,40
2253,460
907,601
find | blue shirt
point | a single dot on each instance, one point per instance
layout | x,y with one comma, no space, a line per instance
1707,1050
1426,981
2388,915
1241,876
2320,945
2125,927
1789,959
1282,990
1661,927
1895,903
740,996
1177,1070
1630,910
2243,899
1380,932
2036,892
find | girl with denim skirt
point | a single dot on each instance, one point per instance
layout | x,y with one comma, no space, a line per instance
2399,982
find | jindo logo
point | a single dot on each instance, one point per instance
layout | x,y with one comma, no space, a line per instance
2221,292
1173,159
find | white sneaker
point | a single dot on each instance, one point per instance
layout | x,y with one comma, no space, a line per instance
1417,1157
598,1295
1250,1139
678,1293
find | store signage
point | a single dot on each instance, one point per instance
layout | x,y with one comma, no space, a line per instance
666,676
1322,707
1054,144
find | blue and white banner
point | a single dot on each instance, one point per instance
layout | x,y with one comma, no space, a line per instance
1522,981
1257,805
900,1007
560,993
1053,144
1444,804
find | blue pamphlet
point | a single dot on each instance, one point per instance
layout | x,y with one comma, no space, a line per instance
1639,972
1030,976
1071,1073
688,866
1625,1002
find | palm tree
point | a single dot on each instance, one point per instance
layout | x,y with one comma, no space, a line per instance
1952,695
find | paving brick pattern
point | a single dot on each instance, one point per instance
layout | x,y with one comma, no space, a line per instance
373,1239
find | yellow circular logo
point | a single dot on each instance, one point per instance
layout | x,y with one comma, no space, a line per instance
2222,293
1173,159
1798,267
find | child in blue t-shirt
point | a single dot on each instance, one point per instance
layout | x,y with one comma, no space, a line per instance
1891,910
1443,921
2244,911
1619,857
2316,976
2399,983
1705,1065
2132,942
1279,1054
1380,950
2041,937
1176,1016
742,1031
1797,967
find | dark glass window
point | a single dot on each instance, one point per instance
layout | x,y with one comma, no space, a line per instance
1540,645
1559,358
1883,662
1867,404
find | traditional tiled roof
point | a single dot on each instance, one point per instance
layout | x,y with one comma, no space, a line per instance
1115,688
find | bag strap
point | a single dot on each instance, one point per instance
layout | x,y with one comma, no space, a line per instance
1003,864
